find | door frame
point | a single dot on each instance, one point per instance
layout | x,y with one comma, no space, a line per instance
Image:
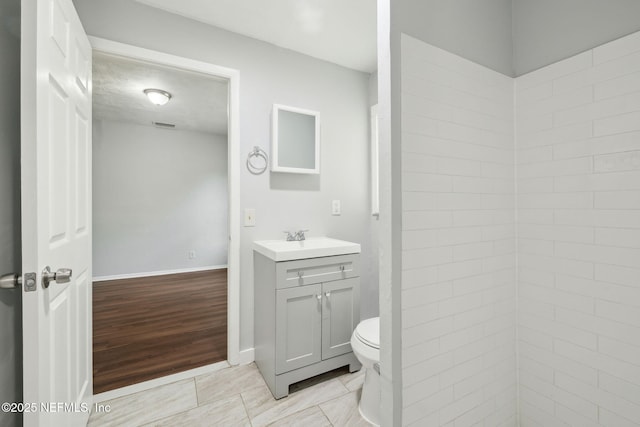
233,144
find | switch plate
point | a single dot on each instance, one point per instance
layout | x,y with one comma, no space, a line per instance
192,254
250,217
335,207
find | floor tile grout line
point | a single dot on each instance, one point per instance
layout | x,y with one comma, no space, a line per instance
195,392
329,400
198,406
326,416
195,384
179,412
302,410
246,411
315,404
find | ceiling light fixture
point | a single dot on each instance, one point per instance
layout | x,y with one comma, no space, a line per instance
157,96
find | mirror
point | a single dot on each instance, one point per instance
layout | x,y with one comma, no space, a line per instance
295,144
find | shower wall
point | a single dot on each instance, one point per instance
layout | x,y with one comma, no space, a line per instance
577,177
458,241
578,155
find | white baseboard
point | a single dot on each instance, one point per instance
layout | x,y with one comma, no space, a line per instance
143,386
157,273
246,356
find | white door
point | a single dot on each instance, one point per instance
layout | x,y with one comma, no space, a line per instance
56,213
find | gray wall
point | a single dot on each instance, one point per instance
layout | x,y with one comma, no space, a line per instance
157,194
479,30
10,300
269,75
546,31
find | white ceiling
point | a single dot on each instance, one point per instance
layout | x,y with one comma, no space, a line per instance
338,31
199,102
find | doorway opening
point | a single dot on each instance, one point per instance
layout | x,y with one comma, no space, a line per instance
165,193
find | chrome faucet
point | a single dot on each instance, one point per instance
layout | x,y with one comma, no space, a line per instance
295,237
300,235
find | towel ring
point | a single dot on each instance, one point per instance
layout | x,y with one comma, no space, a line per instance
260,153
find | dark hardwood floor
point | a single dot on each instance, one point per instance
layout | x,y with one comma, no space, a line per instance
150,327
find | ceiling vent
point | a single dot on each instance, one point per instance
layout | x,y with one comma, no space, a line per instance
164,125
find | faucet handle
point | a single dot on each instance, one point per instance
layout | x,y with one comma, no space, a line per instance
290,236
300,234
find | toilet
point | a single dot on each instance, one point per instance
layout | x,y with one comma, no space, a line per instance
365,343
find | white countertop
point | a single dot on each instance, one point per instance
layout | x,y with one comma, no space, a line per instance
313,247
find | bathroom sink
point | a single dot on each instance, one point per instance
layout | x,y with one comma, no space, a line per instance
314,247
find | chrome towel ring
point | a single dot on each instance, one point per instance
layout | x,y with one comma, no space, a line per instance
259,153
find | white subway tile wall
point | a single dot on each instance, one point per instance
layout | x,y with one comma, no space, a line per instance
458,262
578,182
577,156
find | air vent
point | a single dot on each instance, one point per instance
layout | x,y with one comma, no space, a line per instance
164,125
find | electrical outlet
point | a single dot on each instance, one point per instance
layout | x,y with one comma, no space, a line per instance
192,254
249,217
335,207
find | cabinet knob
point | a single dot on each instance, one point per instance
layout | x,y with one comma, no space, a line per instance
319,297
327,294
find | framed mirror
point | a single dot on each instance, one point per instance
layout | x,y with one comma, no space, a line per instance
295,140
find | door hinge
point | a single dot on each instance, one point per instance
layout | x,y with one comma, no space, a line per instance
29,283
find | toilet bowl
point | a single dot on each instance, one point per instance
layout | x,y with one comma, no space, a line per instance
365,343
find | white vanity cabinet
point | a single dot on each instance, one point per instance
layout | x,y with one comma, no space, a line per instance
305,313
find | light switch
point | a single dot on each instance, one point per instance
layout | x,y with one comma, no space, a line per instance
250,217
335,207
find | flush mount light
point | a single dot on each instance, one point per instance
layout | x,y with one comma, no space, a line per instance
157,96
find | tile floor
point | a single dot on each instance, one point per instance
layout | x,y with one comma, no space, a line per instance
238,396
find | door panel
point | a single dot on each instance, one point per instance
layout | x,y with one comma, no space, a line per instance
59,27
340,315
81,169
82,332
298,323
59,332
58,161
82,66
56,210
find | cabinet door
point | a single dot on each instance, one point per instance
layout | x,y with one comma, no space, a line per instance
340,315
298,325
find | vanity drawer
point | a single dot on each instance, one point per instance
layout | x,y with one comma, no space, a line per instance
316,270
